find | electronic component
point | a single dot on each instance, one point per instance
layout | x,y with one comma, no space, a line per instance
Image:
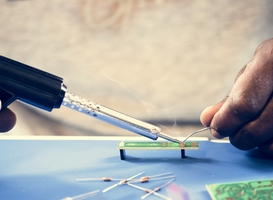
156,189
141,180
149,191
123,145
259,189
131,180
121,182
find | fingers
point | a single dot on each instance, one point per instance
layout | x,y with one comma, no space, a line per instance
248,96
246,114
7,119
209,112
257,132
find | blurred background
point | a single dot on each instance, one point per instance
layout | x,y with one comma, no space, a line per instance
161,61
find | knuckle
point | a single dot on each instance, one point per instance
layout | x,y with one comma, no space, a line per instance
246,107
245,139
265,49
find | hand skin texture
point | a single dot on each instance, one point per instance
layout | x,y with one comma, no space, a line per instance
246,113
7,120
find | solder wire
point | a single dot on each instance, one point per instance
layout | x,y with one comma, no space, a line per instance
191,134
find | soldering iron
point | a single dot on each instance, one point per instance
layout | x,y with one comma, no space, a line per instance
46,91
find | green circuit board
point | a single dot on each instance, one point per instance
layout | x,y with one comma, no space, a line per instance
248,190
157,145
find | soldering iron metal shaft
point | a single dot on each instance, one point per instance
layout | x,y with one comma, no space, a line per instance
113,117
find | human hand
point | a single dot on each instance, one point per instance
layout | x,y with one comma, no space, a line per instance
246,114
7,119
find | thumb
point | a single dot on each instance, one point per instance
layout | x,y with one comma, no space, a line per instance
208,114
7,119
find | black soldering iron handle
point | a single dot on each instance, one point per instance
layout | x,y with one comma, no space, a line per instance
30,85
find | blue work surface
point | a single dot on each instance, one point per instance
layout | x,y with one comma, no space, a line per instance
48,169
